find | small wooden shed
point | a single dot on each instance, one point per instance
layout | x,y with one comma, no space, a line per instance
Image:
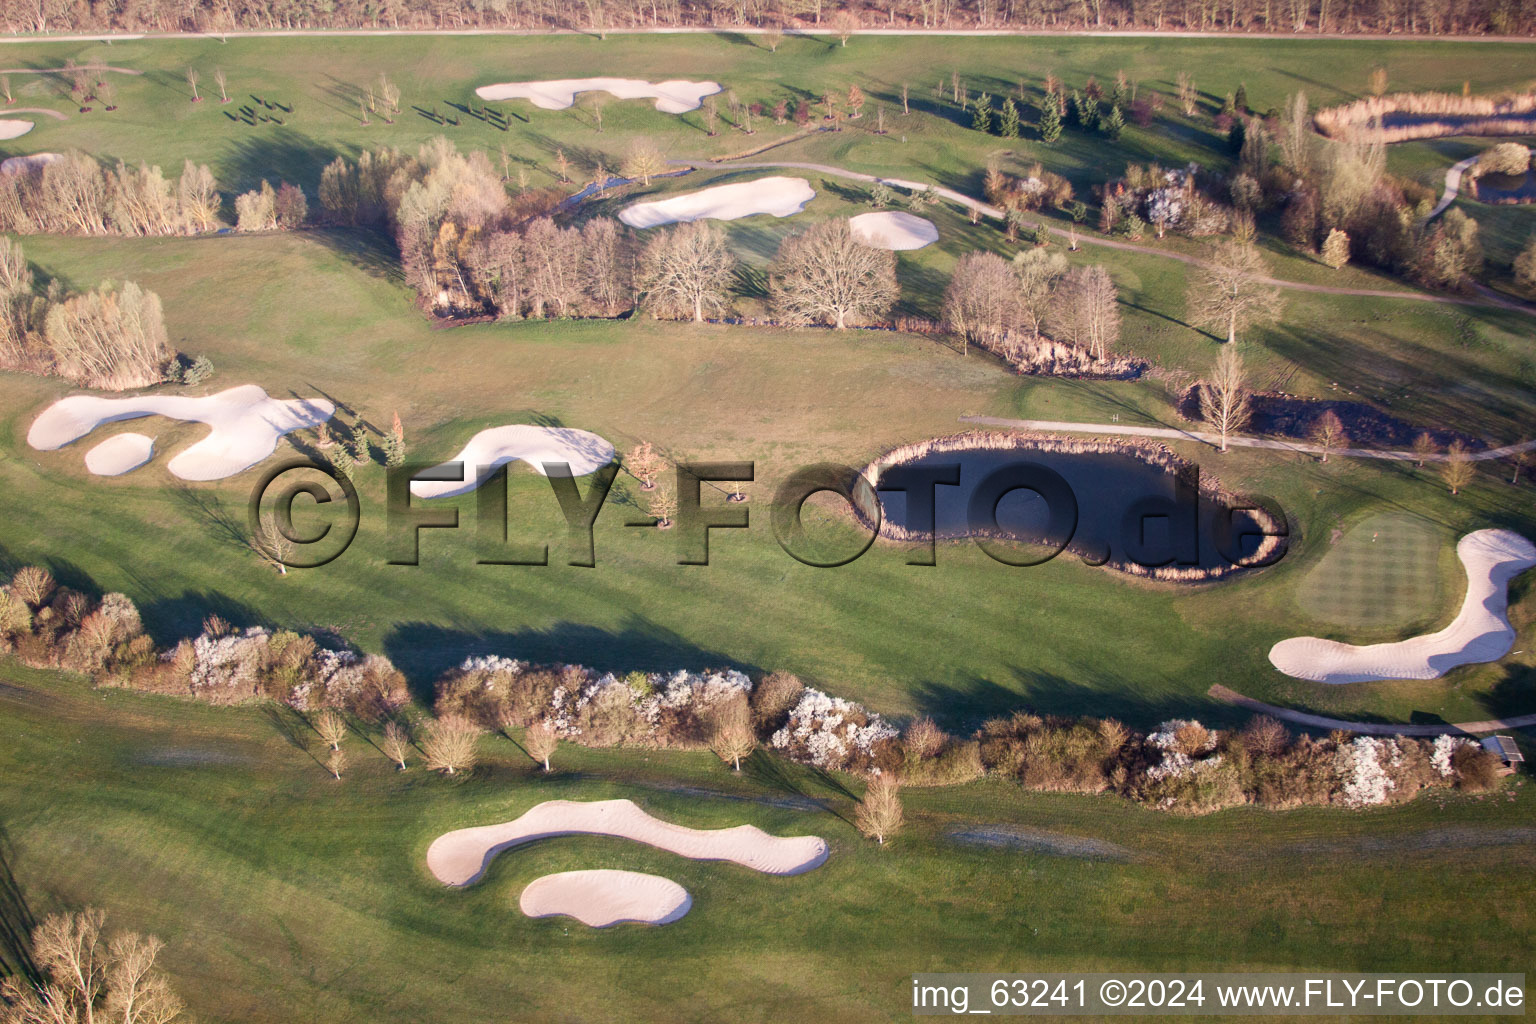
1504,747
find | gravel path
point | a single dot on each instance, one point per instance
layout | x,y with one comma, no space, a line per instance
1452,186
1311,721
1488,297
1236,441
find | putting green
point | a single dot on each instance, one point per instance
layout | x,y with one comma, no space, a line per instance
1383,574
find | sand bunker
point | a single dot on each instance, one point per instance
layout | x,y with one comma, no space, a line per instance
117,455
606,897
674,97
461,857
781,197
583,451
890,229
23,164
1480,632
14,129
246,425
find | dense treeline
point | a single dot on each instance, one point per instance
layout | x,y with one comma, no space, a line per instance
1181,766
111,338
73,194
1432,17
469,248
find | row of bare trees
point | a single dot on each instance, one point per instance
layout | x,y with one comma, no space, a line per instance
1001,306
74,195
1226,405
841,21
112,338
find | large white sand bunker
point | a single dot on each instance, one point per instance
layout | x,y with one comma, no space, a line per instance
674,97
246,425
117,455
14,129
781,197
461,857
1479,633
582,450
23,164
891,229
606,897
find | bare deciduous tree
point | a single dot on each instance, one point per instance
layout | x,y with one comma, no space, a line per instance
193,77
451,744
982,303
540,740
879,814
1038,270
1085,310
643,461
332,729
222,81
396,743
1225,293
1224,397
88,978
606,264
1328,432
663,507
772,36
272,544
825,274
730,731
1520,460
336,763
1458,467
109,339
687,270
844,24
1188,96
198,195
1423,447
643,159
1297,136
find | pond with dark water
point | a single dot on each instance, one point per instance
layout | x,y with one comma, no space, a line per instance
1105,507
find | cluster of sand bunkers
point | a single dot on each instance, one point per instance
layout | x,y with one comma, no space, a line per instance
605,897
778,197
246,425
774,196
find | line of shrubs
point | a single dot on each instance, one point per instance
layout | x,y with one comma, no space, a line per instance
1183,766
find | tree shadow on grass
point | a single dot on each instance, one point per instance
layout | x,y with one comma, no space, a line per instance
289,155
1514,694
962,708
425,650
799,782
208,508
169,619
16,918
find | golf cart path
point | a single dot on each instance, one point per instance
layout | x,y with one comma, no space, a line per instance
1239,441
1452,185
1236,699
1488,298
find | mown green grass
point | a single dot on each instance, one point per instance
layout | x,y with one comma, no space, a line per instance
285,895
1384,574
967,638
